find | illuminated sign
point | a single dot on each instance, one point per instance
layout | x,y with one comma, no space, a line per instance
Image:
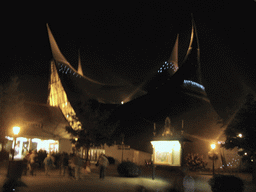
167,152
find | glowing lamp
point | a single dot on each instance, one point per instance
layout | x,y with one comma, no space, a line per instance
213,146
167,152
16,130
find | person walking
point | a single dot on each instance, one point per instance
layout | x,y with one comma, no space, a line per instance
48,164
63,163
32,162
103,163
71,166
77,161
26,163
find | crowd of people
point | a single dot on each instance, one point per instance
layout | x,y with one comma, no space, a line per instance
70,164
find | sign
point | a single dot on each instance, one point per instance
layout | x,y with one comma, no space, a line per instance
124,147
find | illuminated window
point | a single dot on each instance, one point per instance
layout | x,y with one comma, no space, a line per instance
95,153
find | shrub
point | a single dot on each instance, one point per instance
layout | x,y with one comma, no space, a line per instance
128,169
194,162
227,183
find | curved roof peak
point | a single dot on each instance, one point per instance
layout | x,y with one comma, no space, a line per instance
57,55
79,69
174,55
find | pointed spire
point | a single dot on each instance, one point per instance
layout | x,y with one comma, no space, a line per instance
174,55
190,43
79,69
198,52
57,55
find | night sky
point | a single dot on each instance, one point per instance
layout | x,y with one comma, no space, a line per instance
130,40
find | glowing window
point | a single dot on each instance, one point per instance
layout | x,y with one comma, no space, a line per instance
167,152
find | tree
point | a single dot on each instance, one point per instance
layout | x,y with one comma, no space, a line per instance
11,107
241,131
96,126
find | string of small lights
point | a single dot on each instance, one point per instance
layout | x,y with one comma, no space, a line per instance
64,69
193,84
166,66
172,66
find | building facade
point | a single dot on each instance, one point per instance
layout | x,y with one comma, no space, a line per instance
42,128
68,86
120,153
64,94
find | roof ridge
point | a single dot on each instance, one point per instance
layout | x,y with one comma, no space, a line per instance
41,104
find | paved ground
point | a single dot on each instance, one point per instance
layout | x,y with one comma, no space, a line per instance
91,182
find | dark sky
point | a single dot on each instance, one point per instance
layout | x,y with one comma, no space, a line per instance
129,40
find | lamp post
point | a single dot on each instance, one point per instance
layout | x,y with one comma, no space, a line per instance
16,131
213,147
122,136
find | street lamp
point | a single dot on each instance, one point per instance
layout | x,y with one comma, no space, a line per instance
213,156
122,136
16,131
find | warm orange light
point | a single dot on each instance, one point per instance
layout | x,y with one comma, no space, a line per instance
213,146
16,130
240,135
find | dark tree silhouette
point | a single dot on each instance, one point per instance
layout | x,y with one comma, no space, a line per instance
241,131
96,127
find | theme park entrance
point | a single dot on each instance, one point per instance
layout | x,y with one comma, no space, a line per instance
23,145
